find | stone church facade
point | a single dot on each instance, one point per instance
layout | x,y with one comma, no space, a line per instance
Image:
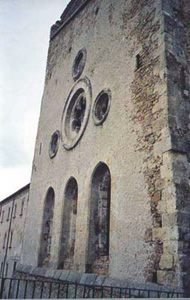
109,191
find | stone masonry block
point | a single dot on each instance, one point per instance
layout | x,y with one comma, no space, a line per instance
166,261
39,271
165,233
100,279
88,279
49,273
157,234
164,144
168,278
166,169
57,274
64,275
170,233
169,219
74,277
169,198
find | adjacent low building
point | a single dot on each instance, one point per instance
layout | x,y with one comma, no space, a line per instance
13,211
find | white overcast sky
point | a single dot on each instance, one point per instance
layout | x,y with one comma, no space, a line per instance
24,30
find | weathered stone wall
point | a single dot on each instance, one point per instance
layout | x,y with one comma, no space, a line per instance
113,33
14,209
138,50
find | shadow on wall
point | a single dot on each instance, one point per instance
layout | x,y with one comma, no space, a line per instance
45,247
67,243
98,242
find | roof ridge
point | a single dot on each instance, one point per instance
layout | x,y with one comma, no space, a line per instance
15,193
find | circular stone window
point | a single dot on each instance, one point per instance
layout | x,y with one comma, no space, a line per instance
76,113
54,144
101,107
79,63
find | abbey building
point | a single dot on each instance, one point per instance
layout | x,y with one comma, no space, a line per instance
110,189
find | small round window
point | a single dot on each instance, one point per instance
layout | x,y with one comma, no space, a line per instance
54,144
79,63
101,107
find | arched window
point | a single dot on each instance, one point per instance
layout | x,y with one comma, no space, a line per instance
98,243
46,236
67,243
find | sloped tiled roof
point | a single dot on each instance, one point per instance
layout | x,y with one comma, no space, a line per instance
70,11
26,187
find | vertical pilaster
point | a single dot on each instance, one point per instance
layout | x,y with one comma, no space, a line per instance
177,214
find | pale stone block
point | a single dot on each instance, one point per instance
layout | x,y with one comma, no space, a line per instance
169,198
166,261
160,123
170,247
162,207
157,233
166,168
170,233
168,278
169,219
164,144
